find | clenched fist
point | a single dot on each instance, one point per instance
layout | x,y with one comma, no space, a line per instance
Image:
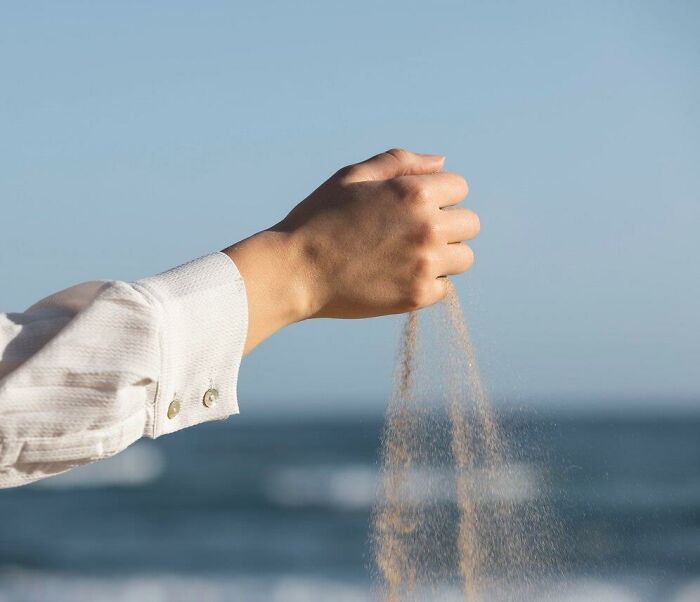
376,238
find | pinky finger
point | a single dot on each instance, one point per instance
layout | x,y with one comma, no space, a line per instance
457,258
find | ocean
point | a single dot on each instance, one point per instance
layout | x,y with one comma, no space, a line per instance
278,510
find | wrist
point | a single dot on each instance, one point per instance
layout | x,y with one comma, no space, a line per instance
277,279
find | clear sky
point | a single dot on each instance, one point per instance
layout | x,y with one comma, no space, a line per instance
135,136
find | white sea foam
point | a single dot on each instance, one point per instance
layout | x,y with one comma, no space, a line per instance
348,487
26,586
354,486
688,592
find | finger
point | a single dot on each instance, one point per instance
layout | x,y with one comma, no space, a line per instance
455,259
444,188
457,224
442,286
435,291
393,163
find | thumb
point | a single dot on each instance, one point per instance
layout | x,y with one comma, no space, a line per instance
394,163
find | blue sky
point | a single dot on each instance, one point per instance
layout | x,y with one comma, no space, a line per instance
136,136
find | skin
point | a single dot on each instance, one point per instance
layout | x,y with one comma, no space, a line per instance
376,238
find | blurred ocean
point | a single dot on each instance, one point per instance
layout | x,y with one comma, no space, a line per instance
263,510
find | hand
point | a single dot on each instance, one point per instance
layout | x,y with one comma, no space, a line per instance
376,238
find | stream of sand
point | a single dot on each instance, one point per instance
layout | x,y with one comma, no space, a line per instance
454,510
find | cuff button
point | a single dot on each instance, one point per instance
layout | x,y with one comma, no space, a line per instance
173,408
210,397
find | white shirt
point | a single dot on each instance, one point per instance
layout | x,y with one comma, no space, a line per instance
89,370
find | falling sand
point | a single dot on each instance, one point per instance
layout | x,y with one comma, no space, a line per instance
456,511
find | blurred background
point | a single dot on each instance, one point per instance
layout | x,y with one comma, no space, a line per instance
136,136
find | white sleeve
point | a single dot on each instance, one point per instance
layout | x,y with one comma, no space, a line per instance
89,370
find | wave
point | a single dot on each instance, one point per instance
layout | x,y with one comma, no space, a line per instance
354,486
33,586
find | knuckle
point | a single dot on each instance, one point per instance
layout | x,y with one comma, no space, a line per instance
423,268
412,191
418,295
427,232
346,173
403,188
398,153
421,194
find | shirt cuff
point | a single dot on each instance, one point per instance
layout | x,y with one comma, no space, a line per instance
204,322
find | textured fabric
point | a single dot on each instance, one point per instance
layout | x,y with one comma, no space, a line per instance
89,370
